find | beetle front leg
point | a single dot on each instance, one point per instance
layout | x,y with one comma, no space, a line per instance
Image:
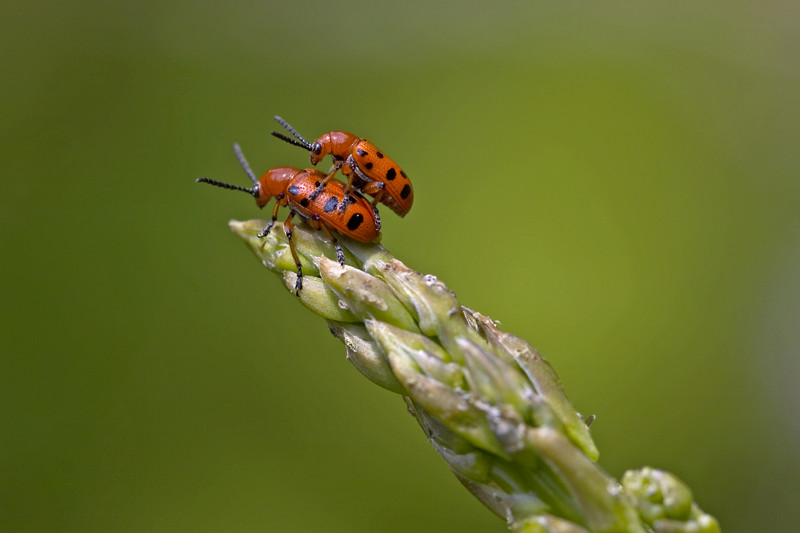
264,232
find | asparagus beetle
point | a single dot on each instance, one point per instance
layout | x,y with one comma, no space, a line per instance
365,166
330,209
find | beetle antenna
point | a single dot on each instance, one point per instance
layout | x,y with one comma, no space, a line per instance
242,161
252,192
290,140
294,133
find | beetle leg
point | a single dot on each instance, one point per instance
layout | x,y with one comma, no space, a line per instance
347,189
347,200
287,229
325,181
376,189
349,185
377,218
264,232
339,251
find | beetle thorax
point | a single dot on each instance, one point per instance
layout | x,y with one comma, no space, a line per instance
274,182
339,144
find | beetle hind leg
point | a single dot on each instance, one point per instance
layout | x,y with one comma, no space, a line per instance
376,189
377,217
287,229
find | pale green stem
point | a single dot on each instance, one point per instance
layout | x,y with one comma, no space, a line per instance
490,404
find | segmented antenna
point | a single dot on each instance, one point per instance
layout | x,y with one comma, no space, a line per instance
290,140
224,185
287,127
242,161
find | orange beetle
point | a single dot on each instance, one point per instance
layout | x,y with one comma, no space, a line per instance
366,167
331,208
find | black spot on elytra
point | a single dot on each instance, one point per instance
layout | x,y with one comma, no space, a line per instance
304,202
317,183
368,166
380,155
391,174
294,189
403,174
330,205
405,192
361,152
355,221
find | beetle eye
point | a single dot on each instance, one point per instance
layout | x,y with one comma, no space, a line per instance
316,148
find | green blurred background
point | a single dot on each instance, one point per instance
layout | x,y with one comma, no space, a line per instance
616,182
